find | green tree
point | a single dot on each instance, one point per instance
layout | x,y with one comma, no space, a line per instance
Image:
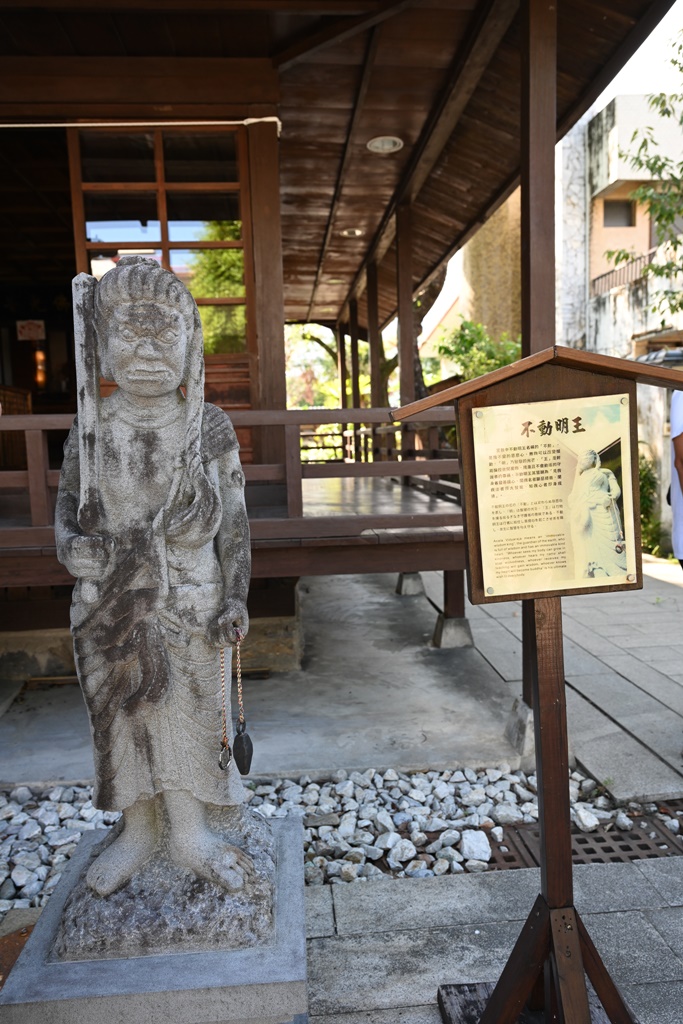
219,274
474,351
662,195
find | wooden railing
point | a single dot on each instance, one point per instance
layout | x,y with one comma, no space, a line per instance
40,481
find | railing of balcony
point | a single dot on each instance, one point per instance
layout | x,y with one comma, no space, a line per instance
624,274
372,445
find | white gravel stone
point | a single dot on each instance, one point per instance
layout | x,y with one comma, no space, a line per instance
403,851
475,846
507,814
476,865
21,876
585,818
387,841
623,822
384,821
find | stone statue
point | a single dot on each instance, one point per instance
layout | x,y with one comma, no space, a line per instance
151,520
597,533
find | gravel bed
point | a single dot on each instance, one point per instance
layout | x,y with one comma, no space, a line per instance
358,826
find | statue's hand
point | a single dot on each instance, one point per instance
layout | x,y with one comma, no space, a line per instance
234,617
87,557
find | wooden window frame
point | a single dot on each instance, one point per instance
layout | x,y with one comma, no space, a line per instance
160,187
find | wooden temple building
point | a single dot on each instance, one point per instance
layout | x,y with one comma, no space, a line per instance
312,161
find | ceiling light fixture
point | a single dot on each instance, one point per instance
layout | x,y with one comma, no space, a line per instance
384,144
352,232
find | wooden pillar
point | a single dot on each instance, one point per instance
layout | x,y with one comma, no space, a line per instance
355,362
269,306
374,338
404,279
341,364
538,136
355,375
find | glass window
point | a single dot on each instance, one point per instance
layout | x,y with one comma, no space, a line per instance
225,328
200,157
210,273
203,217
121,217
619,213
109,156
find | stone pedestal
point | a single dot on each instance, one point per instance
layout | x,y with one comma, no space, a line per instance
262,984
452,632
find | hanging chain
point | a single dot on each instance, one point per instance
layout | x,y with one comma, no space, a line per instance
226,753
240,702
224,739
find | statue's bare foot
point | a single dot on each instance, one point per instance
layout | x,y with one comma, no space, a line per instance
209,857
195,847
128,853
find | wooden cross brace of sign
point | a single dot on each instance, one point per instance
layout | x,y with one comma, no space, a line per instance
515,447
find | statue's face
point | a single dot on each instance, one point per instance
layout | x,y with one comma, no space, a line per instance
146,345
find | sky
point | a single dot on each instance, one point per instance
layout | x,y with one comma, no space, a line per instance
648,71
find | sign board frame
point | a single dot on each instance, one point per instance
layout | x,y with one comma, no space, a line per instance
539,384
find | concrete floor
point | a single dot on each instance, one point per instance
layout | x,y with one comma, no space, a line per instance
371,693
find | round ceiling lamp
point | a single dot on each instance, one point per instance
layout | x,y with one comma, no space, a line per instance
384,144
352,232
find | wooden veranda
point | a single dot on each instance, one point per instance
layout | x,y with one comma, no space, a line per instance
123,124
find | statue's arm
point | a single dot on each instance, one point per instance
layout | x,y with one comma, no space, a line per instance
233,547
612,484
83,556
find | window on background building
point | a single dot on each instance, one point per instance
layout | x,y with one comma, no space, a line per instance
174,195
619,213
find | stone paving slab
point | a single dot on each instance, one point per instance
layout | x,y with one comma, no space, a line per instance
319,911
669,924
629,768
666,875
501,895
633,950
384,969
656,1002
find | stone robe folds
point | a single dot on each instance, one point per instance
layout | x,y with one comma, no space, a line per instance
150,677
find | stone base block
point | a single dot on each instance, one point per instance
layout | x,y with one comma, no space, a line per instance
262,984
409,584
452,632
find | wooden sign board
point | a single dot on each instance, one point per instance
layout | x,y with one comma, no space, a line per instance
550,486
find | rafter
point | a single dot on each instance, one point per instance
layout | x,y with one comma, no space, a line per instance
361,94
466,72
610,69
338,32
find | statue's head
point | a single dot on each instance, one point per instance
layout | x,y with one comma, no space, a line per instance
588,460
148,327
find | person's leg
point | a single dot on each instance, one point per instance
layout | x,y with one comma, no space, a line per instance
196,847
681,562
127,854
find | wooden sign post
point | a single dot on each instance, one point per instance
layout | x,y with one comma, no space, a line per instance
544,517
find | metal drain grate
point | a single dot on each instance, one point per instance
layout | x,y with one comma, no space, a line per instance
510,853
647,841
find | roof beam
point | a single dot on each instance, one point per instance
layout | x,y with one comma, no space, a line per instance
361,94
466,73
310,7
337,32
